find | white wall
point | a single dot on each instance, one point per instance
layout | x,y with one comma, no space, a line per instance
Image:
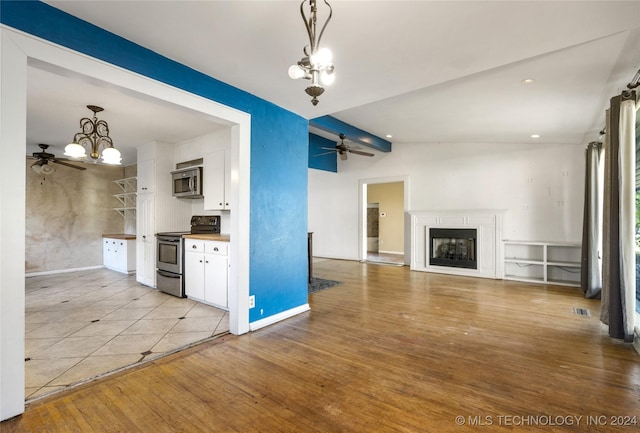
539,186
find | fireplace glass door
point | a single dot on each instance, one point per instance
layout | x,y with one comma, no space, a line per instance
453,247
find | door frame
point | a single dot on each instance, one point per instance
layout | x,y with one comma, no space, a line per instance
22,51
362,214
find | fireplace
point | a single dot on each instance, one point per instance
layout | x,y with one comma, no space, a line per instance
454,248
485,227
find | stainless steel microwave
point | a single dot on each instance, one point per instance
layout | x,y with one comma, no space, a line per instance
187,183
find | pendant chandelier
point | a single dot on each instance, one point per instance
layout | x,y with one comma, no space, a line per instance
93,134
316,64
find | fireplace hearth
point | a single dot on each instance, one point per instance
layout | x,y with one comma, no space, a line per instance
454,248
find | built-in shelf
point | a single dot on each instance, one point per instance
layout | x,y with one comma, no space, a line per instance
542,262
127,197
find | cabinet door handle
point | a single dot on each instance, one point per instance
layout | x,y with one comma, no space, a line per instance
200,261
206,261
215,249
194,247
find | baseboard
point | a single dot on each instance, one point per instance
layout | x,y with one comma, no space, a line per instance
389,252
253,326
61,271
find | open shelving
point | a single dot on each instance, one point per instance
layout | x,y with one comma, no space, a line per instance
542,262
127,197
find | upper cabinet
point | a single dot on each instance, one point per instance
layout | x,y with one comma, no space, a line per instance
217,180
146,175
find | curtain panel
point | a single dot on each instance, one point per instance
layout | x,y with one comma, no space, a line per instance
618,283
591,269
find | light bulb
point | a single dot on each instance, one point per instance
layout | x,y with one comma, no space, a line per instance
322,57
295,72
111,155
47,169
327,77
74,150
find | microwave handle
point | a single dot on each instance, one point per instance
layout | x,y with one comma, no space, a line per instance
190,183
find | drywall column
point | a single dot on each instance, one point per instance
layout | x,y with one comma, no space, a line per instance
13,109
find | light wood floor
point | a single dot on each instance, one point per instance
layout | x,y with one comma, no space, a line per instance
389,350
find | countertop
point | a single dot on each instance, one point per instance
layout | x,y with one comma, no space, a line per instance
208,237
122,236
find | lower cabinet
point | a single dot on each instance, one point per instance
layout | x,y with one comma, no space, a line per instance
206,272
119,254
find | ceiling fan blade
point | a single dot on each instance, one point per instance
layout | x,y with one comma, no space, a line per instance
361,153
57,161
330,148
343,156
325,153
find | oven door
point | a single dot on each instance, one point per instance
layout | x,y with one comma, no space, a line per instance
169,254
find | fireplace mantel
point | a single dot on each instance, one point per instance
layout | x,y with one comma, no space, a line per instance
488,224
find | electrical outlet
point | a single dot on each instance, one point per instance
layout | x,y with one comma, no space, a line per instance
252,301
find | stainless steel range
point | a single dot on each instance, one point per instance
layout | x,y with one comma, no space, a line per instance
170,254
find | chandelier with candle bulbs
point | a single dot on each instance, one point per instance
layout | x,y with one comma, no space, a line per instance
93,134
316,65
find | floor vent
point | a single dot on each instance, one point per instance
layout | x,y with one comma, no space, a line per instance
581,311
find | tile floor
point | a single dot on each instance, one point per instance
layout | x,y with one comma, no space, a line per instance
83,324
385,258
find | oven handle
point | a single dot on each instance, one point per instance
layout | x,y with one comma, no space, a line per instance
165,240
168,274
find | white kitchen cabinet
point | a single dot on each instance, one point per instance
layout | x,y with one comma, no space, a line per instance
156,208
146,178
217,180
206,271
119,254
146,240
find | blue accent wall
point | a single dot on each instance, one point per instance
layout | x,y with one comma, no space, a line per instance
279,149
327,162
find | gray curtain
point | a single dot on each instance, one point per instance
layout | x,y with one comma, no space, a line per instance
591,278
618,283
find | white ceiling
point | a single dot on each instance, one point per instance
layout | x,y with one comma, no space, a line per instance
423,71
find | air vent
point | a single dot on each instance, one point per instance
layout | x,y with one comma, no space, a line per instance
581,311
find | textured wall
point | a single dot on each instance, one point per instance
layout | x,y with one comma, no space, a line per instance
66,214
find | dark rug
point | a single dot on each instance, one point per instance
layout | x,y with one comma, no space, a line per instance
321,284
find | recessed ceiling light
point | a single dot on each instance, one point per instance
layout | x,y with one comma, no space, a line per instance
535,136
389,136
528,81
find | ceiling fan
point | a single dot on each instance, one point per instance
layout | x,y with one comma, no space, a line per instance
343,149
41,166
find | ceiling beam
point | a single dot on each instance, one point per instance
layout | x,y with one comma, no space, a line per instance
334,126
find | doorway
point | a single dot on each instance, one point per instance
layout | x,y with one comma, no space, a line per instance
383,229
19,51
